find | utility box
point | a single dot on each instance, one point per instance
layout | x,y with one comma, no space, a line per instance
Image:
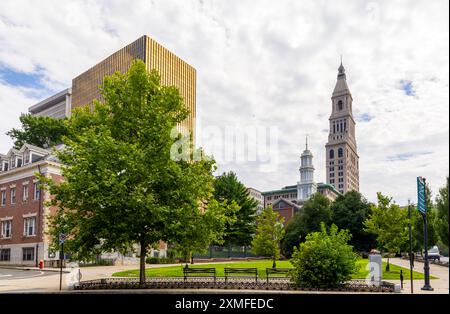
375,269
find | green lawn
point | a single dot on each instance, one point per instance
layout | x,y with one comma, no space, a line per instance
177,271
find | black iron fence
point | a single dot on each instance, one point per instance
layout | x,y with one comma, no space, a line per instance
215,251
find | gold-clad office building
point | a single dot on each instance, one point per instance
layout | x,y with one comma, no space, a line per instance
173,72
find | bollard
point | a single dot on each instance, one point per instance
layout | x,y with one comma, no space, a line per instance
401,279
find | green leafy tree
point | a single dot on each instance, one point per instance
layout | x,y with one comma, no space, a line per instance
269,233
389,223
194,230
349,211
239,229
418,229
39,131
418,224
315,211
122,185
324,260
442,214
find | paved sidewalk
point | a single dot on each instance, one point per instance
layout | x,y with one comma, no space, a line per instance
440,285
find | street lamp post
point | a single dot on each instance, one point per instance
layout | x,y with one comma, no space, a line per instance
410,249
426,266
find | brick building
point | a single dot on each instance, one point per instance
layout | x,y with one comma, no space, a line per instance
23,213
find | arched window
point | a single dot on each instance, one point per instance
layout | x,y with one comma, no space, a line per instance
340,105
331,153
340,152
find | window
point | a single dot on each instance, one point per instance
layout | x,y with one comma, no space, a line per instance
5,255
37,191
28,253
5,166
13,196
340,105
332,175
331,180
29,226
331,153
19,162
25,193
340,152
6,228
3,198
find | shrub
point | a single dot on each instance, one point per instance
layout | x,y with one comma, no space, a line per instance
324,260
160,260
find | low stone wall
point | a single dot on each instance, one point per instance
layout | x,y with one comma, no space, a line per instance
219,283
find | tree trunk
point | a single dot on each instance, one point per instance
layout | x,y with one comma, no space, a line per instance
274,265
142,263
387,265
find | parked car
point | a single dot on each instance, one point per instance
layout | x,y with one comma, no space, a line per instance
434,254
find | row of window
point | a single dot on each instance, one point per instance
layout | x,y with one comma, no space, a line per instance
275,197
340,153
27,254
29,228
339,126
25,194
17,161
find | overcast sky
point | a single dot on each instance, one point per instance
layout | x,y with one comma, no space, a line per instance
263,63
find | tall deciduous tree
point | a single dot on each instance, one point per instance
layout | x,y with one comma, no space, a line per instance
122,185
442,213
389,223
315,211
269,233
239,230
39,131
349,211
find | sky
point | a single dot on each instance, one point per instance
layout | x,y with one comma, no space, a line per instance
266,65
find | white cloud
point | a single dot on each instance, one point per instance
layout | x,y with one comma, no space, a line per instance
267,63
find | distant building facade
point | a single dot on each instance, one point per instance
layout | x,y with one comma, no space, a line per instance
258,197
56,106
23,210
85,87
290,199
342,160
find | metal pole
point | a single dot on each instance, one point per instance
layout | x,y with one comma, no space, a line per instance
426,267
410,249
61,259
38,219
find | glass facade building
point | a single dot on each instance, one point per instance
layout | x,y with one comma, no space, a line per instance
173,72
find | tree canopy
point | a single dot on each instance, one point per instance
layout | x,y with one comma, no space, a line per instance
40,131
389,222
349,211
314,211
269,233
241,228
121,184
442,214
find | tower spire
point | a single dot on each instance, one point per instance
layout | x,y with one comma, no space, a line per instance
306,141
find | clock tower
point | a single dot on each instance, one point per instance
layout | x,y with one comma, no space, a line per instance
342,160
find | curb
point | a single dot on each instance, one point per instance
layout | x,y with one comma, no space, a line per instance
34,268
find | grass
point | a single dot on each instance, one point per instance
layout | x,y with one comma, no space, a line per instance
177,271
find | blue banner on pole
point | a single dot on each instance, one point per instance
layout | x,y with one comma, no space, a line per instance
421,203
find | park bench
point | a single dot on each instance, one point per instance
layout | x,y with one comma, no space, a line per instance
277,273
199,272
240,273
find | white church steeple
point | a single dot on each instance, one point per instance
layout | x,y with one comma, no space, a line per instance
306,186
